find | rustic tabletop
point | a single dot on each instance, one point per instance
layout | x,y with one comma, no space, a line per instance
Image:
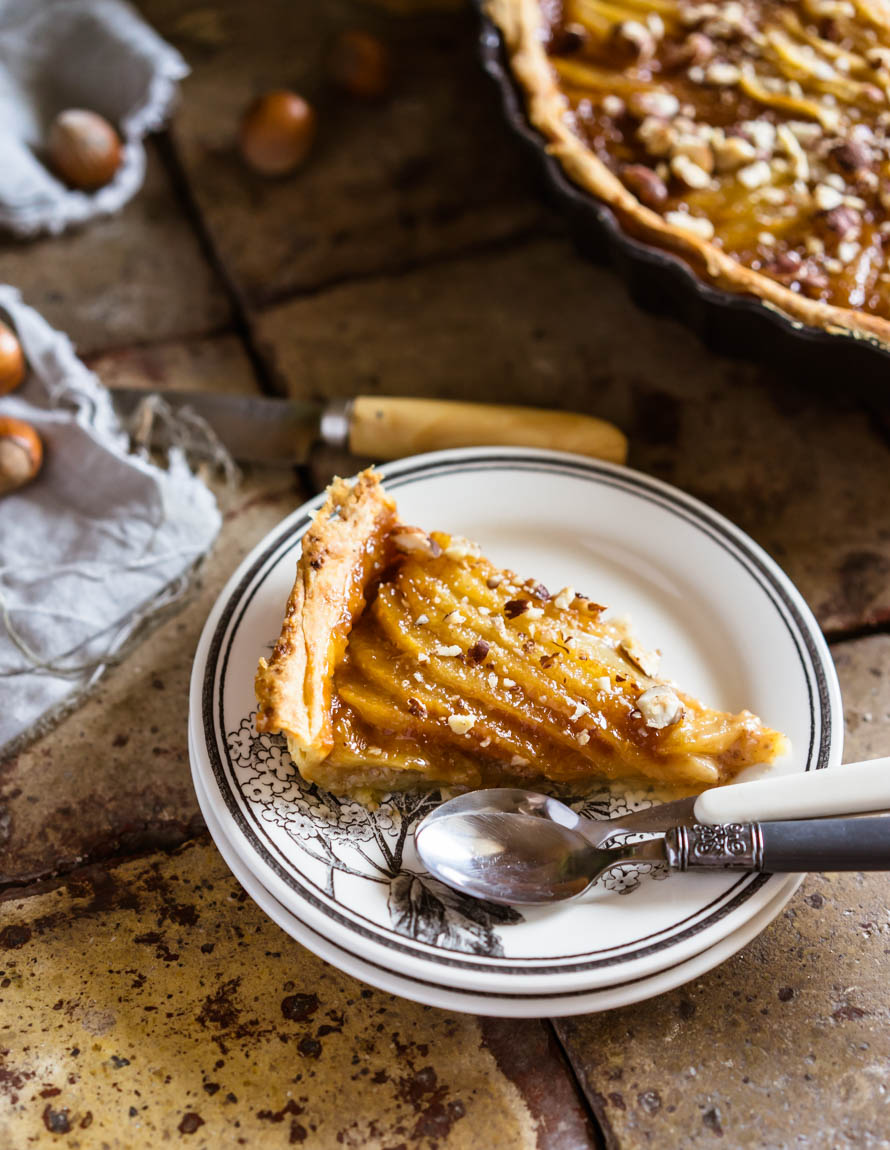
145,998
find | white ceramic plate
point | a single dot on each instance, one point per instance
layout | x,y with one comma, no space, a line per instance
734,631
485,1003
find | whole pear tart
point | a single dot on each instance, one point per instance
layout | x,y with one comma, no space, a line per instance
408,661
750,137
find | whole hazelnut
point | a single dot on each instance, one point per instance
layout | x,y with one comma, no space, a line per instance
21,453
84,150
12,360
277,132
359,64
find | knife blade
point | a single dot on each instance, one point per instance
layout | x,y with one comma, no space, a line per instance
253,428
276,432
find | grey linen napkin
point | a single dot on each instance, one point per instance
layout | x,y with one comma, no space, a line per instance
58,54
100,541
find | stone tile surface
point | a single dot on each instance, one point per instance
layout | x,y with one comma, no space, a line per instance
114,776
787,1043
129,279
806,475
426,171
153,1002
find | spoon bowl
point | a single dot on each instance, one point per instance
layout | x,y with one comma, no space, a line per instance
512,847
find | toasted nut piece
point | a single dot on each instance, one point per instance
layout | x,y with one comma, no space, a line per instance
689,173
414,541
461,724
83,148
844,221
637,37
647,661
12,360
460,548
359,64
21,453
660,707
645,184
852,154
665,105
656,136
277,133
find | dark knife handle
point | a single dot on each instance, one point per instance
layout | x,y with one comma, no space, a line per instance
811,844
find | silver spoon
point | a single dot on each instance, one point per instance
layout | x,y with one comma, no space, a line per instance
524,857
846,790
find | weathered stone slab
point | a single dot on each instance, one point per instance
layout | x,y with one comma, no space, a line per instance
154,1002
114,775
806,475
787,1043
129,279
427,171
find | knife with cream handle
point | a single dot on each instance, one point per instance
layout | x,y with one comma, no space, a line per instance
282,432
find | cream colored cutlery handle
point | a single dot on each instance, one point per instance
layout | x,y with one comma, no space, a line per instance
387,428
845,790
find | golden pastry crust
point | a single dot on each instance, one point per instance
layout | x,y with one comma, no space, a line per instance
342,550
408,661
520,22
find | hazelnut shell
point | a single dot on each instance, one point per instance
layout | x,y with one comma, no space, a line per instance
12,360
84,150
21,453
277,133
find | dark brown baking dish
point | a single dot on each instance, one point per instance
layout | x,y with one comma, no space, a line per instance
661,282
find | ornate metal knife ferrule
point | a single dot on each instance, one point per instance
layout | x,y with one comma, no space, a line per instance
731,846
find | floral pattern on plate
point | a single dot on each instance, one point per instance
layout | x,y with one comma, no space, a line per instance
347,838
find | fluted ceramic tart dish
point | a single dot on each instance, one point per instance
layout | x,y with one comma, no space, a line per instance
745,141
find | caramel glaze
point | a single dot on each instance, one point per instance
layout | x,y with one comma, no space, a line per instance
550,694
822,66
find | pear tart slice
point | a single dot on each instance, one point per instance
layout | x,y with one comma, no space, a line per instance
408,661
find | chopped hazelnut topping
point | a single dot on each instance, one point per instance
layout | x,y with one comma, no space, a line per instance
645,184
580,709
461,724
638,36
421,619
656,136
509,683
660,707
613,106
518,761
413,541
603,683
534,613
653,102
583,737
453,617
721,74
547,661
479,650
416,707
423,657
460,548
647,661
827,197
447,652
695,225
493,582
564,598
516,607
754,175
691,174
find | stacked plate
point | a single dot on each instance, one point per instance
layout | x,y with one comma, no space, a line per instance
346,882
